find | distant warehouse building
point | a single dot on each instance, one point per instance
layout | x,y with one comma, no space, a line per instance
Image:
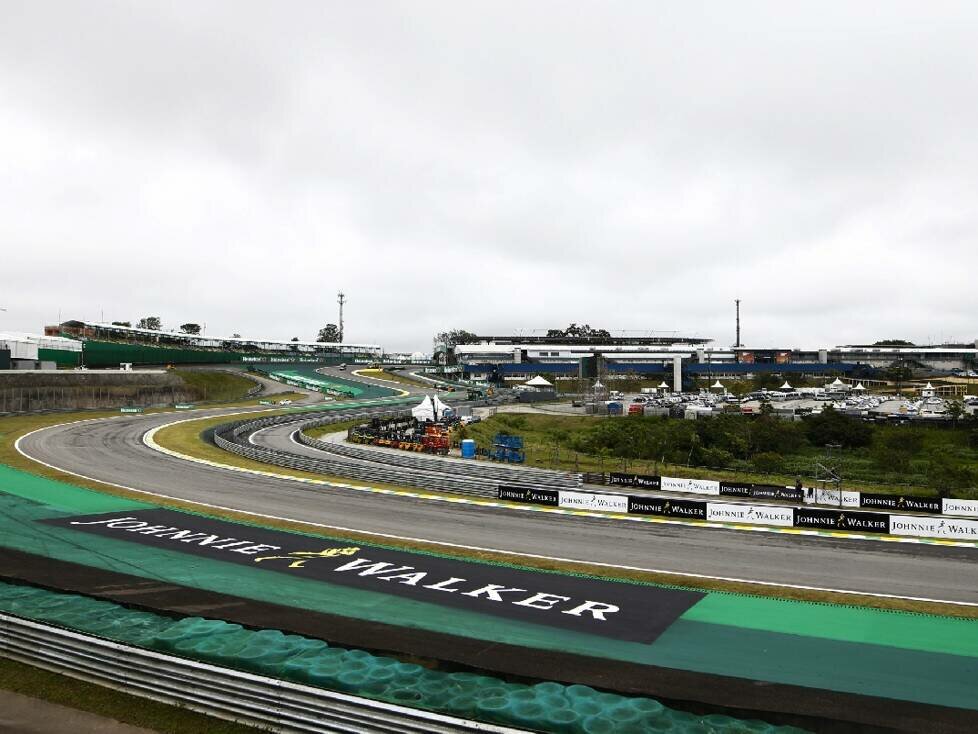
498,358
38,351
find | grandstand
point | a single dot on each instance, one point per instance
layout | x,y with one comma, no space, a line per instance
106,344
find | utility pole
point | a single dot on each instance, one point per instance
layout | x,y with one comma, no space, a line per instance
341,299
737,345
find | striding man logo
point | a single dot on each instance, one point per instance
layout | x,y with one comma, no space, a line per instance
298,558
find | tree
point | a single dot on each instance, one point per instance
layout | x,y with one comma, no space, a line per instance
584,331
190,328
329,334
127,324
150,322
235,336
893,343
835,427
455,337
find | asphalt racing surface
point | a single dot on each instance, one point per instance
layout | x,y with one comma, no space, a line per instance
112,451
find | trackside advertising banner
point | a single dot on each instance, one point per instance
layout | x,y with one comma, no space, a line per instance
761,491
831,497
623,611
934,527
901,503
646,481
862,522
529,495
776,492
588,501
667,507
750,514
966,508
695,486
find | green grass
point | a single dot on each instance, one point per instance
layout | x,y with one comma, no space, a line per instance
550,442
215,385
110,703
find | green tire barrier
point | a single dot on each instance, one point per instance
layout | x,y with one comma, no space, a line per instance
550,707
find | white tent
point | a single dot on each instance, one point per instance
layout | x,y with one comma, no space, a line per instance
538,382
716,386
424,411
859,386
663,385
837,383
786,386
440,408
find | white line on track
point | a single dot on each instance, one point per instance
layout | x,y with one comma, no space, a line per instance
148,440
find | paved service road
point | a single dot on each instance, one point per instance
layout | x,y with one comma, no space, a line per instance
112,450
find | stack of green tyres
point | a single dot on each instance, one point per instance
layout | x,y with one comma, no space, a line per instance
549,707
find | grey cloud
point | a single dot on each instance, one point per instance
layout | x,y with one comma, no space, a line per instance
492,166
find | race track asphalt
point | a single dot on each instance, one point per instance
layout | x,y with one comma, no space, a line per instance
112,451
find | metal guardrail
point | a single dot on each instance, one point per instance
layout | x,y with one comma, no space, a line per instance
495,472
269,703
233,437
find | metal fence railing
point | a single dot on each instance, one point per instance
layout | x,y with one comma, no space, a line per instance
268,703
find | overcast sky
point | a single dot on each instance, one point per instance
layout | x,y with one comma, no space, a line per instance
493,166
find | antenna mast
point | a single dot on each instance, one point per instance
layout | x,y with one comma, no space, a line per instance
341,299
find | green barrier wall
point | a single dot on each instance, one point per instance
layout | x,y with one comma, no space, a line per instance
111,354
545,707
62,357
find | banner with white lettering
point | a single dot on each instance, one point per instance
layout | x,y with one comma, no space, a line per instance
590,501
529,495
777,492
646,481
624,611
900,502
965,508
934,527
695,486
864,522
750,514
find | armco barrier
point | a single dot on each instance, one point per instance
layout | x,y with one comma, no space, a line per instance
472,469
813,518
222,692
233,437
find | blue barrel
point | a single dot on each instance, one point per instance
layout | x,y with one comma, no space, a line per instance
468,448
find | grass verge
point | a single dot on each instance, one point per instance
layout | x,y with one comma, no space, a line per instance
392,376
216,385
110,703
